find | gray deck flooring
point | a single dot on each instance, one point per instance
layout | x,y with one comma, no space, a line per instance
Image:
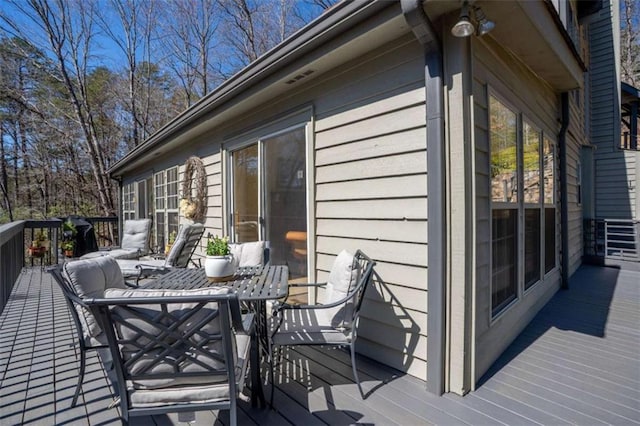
576,363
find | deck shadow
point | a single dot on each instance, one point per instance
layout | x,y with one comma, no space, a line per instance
582,308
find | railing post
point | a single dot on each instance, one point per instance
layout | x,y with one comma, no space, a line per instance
11,258
606,238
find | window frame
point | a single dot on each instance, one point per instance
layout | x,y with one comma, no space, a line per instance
522,290
539,206
161,194
128,204
553,205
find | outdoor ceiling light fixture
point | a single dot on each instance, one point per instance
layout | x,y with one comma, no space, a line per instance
484,25
465,27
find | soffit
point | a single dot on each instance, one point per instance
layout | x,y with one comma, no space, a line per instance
529,30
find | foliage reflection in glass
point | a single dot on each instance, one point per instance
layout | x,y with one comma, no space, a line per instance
504,178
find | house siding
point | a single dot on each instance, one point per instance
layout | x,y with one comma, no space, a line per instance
615,169
368,168
574,140
371,194
616,185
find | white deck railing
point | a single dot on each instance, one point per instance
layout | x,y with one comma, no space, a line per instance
622,239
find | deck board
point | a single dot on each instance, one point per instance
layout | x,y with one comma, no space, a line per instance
577,363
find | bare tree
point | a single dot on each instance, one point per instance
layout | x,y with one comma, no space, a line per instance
189,38
4,178
68,29
248,29
131,30
630,41
66,115
252,27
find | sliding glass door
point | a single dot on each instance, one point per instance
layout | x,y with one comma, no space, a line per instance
246,213
269,197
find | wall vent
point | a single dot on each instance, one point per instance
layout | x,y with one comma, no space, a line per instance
300,76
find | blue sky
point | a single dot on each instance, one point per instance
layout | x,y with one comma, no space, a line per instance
104,51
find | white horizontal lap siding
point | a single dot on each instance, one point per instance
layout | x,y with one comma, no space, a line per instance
602,75
483,210
371,194
615,171
574,145
213,215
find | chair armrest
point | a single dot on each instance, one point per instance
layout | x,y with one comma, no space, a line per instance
310,285
285,305
152,269
307,284
146,270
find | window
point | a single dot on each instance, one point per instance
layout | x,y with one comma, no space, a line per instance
172,200
128,202
523,211
532,188
165,190
549,186
144,199
159,188
630,124
269,197
504,190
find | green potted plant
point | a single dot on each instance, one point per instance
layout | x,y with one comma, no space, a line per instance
68,229
67,248
219,263
69,233
39,245
170,241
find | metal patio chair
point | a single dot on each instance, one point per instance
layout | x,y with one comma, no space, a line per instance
178,257
134,242
334,321
176,350
80,279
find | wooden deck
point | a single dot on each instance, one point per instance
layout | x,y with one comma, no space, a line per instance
576,363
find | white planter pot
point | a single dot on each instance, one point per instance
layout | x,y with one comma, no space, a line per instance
217,268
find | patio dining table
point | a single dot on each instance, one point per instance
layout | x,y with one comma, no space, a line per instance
253,285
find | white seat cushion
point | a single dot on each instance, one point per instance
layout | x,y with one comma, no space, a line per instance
135,235
248,254
342,278
119,253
